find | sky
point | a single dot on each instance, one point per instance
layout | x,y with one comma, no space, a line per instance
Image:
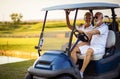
32,9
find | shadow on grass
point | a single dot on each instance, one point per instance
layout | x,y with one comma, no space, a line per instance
15,70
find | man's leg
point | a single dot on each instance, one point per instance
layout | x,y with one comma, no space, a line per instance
87,59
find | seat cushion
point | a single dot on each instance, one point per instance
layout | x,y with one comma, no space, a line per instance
111,39
94,57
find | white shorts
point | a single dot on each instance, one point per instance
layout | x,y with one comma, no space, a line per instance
83,49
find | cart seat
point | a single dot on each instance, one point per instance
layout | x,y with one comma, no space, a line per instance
110,43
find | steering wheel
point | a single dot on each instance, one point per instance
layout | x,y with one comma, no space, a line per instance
81,36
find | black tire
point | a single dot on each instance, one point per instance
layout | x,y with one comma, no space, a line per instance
117,77
64,77
28,76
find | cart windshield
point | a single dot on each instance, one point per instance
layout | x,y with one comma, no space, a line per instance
56,35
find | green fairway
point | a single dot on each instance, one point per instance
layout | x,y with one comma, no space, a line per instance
27,44
21,44
15,70
30,29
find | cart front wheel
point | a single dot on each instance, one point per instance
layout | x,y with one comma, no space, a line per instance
64,77
28,76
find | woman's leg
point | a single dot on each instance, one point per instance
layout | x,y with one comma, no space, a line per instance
76,50
74,54
87,59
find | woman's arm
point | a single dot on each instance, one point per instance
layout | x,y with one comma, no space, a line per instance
67,19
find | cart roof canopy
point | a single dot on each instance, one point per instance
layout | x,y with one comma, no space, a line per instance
84,6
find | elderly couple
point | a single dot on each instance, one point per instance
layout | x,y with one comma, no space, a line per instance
97,38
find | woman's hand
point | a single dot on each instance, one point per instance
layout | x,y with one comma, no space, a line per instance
67,11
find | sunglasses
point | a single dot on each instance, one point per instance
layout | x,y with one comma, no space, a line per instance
96,17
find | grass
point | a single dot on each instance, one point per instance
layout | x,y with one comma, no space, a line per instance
21,44
15,70
27,44
32,28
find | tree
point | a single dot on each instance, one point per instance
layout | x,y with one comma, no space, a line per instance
16,18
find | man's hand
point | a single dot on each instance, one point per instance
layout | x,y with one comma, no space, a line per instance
89,35
80,31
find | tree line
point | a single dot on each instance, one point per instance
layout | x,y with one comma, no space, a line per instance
16,19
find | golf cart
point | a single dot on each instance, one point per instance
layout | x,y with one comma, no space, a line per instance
57,64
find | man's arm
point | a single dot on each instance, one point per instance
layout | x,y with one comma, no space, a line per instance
91,33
